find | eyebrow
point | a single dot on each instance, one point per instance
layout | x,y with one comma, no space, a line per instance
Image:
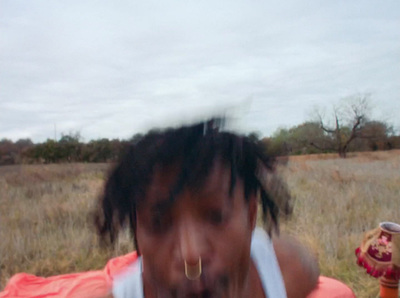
215,191
162,205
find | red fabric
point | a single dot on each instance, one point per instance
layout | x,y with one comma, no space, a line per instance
331,288
99,283
84,284
115,265
95,283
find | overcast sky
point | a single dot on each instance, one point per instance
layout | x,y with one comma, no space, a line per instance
114,68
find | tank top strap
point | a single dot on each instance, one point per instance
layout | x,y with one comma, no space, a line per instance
264,258
129,283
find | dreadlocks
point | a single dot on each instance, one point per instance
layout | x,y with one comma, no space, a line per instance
194,148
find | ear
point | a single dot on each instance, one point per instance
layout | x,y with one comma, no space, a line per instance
252,211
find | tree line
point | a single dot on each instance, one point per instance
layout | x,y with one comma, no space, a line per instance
306,138
69,148
347,127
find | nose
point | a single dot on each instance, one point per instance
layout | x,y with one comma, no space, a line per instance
190,243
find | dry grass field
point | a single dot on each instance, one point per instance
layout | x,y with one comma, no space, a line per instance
46,228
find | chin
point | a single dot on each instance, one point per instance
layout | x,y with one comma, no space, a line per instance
203,294
205,287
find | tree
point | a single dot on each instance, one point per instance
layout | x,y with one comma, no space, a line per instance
70,147
48,152
394,142
301,136
376,134
346,124
278,144
97,151
296,140
7,152
22,144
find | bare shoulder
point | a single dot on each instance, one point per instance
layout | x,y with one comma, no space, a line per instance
298,265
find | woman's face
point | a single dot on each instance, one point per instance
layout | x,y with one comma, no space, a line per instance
207,223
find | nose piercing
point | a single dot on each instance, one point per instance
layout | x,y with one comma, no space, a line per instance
193,272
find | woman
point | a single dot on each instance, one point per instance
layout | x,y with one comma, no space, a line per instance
190,196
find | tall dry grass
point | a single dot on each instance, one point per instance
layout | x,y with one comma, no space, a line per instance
45,222
45,227
336,201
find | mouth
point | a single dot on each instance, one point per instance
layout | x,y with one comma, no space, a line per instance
200,289
202,294
207,286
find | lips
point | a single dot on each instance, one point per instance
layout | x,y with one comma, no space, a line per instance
200,289
202,294
208,285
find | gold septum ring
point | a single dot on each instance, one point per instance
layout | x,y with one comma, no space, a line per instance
193,272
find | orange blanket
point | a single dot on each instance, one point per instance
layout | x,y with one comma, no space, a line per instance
83,284
99,283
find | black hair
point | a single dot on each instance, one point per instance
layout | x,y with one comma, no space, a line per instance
194,148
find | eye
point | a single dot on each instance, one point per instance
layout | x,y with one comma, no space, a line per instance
156,222
160,223
215,217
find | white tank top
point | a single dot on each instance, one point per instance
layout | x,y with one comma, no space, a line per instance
129,284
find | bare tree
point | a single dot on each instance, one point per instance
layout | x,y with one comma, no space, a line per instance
345,125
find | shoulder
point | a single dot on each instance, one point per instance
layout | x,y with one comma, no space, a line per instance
299,267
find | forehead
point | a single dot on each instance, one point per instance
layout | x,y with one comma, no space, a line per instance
165,178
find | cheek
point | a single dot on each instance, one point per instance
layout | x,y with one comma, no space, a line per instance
233,246
156,258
